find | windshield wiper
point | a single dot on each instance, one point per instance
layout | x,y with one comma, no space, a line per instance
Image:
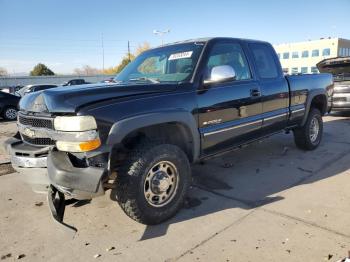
155,81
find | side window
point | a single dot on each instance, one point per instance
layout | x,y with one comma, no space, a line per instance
229,54
264,60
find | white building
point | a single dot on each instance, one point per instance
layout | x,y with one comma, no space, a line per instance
302,57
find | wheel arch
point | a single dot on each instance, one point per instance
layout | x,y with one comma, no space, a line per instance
174,127
316,99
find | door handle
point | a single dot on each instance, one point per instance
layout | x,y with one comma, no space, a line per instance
255,92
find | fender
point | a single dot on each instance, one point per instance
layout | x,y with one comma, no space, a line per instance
122,128
312,94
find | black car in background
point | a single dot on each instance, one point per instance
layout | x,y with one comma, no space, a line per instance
8,106
75,82
33,88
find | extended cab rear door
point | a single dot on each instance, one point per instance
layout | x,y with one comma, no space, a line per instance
229,113
274,87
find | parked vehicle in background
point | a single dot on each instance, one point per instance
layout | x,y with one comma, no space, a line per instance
339,67
8,106
75,82
173,105
109,80
33,88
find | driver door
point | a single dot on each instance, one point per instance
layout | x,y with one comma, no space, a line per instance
229,111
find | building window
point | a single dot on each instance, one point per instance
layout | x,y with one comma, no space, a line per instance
285,71
285,55
294,70
279,55
326,52
314,70
295,55
303,70
305,54
315,53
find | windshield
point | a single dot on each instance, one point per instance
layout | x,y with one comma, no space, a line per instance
168,64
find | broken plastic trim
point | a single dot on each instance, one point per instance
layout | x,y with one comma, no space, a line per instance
57,204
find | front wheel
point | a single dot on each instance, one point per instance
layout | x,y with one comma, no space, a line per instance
152,185
309,136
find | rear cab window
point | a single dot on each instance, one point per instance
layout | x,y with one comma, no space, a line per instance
265,62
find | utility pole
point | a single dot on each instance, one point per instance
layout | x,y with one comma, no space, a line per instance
129,51
103,53
161,33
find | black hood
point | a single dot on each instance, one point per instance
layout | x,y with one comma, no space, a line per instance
67,99
335,66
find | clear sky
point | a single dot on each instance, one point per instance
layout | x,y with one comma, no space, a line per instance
66,34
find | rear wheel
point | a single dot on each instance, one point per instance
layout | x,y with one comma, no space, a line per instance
151,186
10,113
309,136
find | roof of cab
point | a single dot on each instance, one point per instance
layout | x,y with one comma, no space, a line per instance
206,39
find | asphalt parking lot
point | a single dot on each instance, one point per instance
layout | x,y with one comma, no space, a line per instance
266,202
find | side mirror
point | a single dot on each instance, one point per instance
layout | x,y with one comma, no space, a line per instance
221,73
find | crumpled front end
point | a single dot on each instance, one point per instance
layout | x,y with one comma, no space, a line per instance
59,157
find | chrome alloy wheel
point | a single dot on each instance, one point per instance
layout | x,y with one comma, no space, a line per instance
314,129
11,113
161,184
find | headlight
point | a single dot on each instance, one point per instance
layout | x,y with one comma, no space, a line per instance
74,123
78,146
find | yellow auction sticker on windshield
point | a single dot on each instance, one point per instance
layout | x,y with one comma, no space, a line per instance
181,55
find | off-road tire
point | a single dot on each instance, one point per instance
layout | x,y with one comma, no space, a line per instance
302,134
130,180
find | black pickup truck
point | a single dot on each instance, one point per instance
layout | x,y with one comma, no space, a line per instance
172,106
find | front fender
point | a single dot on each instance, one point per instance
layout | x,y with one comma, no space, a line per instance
122,128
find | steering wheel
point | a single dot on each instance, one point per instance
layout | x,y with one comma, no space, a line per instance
186,69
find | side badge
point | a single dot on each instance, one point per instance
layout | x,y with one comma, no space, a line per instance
212,122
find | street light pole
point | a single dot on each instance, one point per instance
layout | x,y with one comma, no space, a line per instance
103,53
161,33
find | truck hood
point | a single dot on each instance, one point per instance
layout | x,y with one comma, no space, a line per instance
69,99
336,66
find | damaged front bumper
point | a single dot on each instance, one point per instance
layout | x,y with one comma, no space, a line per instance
54,173
30,162
76,182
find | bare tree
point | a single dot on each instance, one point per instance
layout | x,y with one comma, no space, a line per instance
3,71
87,70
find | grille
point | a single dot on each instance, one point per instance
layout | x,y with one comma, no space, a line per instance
38,141
35,121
